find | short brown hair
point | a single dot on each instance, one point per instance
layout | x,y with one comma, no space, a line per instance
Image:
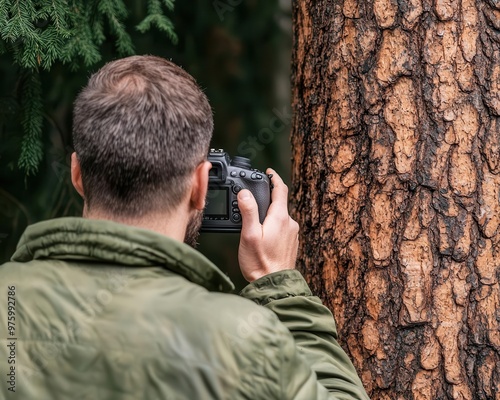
140,127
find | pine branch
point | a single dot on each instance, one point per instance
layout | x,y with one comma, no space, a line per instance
161,22
115,11
82,45
97,22
4,10
53,43
32,121
157,18
169,4
20,25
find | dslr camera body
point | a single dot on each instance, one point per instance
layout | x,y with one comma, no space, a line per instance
226,178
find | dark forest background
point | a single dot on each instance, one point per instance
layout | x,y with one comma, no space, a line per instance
238,51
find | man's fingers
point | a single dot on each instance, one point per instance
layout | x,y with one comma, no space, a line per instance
280,190
251,226
279,195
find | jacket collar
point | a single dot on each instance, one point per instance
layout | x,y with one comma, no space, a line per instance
106,241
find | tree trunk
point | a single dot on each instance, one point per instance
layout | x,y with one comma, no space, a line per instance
396,185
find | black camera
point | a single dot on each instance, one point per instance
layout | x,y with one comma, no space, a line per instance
226,178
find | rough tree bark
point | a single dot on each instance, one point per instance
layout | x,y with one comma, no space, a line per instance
396,184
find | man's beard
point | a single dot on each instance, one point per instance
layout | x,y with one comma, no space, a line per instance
193,229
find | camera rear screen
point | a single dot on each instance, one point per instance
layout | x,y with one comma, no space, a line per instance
217,202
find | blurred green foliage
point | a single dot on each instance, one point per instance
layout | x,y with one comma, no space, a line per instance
239,54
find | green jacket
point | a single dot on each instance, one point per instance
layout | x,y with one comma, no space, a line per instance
100,310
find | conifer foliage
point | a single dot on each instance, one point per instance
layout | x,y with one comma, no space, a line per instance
39,33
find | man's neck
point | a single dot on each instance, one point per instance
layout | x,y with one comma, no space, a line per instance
172,224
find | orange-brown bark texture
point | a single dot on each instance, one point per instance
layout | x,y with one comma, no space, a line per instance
396,185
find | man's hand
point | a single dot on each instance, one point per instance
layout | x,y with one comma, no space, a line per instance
271,246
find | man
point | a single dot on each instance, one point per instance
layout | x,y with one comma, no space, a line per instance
115,306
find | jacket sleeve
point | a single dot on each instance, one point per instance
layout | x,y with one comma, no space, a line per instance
314,360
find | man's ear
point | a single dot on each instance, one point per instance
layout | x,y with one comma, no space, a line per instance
200,185
76,175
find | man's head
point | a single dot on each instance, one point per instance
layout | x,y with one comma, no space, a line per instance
141,131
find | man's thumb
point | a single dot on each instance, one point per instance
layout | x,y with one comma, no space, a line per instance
249,209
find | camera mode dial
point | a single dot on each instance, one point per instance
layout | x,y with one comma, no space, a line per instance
241,162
